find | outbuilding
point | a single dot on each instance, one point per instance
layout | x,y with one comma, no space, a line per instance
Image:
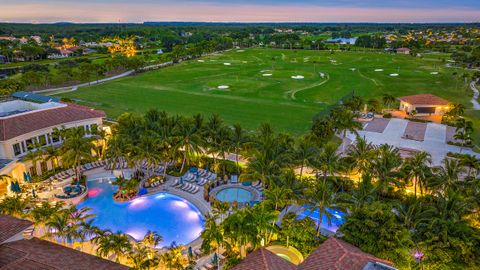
424,104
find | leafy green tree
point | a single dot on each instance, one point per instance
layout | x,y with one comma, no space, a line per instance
374,229
321,196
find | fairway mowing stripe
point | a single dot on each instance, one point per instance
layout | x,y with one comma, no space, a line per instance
237,98
371,79
292,95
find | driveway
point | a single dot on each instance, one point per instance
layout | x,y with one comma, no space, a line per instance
433,143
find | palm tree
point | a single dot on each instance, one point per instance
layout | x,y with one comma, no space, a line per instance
384,167
59,226
188,140
116,244
76,148
305,154
360,155
173,258
116,150
238,141
328,162
51,154
364,194
388,100
417,169
412,213
463,131
278,197
14,206
147,149
212,236
472,163
321,196
447,176
34,156
343,121
41,214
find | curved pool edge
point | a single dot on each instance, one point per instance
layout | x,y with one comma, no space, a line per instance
202,206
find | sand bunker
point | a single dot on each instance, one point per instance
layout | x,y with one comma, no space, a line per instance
298,77
244,62
394,75
201,61
240,50
378,69
227,64
434,73
223,87
267,75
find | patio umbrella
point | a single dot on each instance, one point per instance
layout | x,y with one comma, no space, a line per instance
215,258
29,177
190,252
18,186
33,193
181,180
13,188
206,168
25,177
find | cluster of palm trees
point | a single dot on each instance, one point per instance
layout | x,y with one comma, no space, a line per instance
69,226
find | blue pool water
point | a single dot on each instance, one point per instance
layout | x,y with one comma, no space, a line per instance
234,194
173,217
337,218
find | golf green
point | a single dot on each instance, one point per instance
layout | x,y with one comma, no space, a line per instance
283,87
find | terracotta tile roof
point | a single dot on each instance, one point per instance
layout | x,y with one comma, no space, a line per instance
14,126
10,226
424,99
335,254
262,259
40,254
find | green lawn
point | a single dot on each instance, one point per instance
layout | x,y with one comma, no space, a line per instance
288,104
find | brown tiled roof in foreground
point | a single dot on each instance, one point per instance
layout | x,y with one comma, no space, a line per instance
424,99
14,126
10,226
37,254
262,259
335,254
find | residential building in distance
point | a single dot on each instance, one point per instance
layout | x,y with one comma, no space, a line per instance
424,104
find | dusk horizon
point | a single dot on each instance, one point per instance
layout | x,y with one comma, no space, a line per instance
305,11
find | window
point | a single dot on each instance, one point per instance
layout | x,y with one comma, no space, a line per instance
24,149
16,149
49,138
42,140
43,166
30,143
55,138
87,129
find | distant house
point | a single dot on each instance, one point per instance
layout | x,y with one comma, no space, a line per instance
425,104
403,51
3,59
159,51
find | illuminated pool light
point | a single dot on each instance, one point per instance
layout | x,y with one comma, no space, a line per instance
172,217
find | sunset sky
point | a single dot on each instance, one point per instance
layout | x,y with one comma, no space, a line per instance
240,10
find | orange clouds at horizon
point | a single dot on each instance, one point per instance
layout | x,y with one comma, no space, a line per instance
101,12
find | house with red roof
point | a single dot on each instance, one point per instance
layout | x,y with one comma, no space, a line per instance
424,104
403,51
333,254
28,122
20,250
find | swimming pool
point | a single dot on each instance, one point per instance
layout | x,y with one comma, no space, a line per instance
173,217
232,194
337,218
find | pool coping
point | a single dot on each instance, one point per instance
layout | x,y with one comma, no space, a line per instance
256,195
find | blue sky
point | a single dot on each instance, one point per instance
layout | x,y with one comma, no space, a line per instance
240,10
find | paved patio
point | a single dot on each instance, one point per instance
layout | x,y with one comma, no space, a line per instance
434,139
